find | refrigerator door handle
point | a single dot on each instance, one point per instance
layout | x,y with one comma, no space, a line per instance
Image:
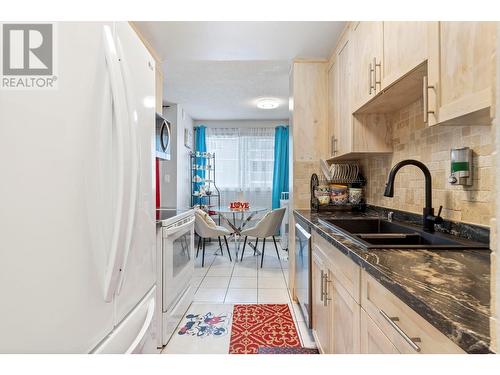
121,114
134,168
144,328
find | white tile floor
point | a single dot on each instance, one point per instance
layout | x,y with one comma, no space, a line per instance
242,281
222,283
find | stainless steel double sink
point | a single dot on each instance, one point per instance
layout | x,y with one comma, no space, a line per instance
375,233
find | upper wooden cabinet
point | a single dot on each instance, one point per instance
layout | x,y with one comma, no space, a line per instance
406,45
396,78
450,65
366,59
339,107
333,96
351,135
378,68
461,73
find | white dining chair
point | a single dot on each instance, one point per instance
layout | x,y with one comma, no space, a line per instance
206,228
266,227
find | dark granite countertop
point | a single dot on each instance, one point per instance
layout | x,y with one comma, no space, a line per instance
448,288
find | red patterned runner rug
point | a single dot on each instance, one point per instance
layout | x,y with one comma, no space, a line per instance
266,325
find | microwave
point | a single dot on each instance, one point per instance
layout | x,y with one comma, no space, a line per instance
163,137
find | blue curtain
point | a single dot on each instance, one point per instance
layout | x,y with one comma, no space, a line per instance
200,146
280,172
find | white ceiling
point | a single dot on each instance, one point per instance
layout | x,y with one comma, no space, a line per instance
216,70
226,90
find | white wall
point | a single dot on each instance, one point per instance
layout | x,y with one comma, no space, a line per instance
184,121
175,180
241,123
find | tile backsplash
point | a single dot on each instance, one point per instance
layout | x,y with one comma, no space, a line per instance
412,139
302,171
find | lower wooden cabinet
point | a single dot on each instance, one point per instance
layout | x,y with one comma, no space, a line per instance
321,308
335,312
407,330
345,335
376,323
373,340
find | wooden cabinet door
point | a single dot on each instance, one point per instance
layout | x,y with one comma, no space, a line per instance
339,108
462,72
405,47
373,341
366,47
320,309
345,315
344,143
333,108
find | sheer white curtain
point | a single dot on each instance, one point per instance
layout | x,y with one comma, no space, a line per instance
244,163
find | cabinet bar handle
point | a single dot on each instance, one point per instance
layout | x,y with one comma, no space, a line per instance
322,285
326,298
370,72
410,340
425,99
375,73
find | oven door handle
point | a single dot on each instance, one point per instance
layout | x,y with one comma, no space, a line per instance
172,230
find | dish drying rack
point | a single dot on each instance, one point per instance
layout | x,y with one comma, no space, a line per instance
356,180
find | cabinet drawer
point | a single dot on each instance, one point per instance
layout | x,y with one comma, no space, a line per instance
373,340
408,331
346,321
345,270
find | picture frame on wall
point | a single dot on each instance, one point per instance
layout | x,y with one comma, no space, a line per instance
188,138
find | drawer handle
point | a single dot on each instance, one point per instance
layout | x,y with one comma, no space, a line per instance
375,65
326,298
322,285
371,71
410,340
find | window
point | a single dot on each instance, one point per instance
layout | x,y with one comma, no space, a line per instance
244,163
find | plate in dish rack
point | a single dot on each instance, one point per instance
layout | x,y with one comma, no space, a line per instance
325,169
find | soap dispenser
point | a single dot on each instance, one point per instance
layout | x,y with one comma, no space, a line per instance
461,166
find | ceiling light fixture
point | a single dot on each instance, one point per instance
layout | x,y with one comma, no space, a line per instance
267,103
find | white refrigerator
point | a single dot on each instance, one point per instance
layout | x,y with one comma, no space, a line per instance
77,222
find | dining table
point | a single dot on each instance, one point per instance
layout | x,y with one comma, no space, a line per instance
237,219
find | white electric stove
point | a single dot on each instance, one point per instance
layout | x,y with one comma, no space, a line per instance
175,268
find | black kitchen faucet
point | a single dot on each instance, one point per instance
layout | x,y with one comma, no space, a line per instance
429,219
